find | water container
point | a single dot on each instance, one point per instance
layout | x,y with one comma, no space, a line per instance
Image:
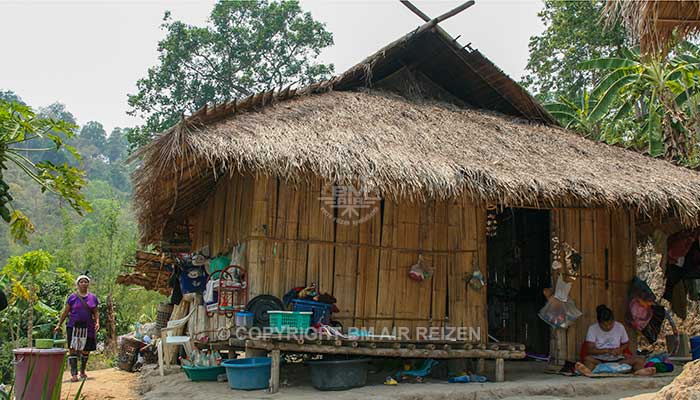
695,347
248,373
244,319
45,366
343,374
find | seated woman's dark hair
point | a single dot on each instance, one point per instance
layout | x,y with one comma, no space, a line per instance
603,313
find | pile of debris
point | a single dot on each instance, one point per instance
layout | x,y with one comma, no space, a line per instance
686,386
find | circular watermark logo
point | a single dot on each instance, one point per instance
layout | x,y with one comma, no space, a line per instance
348,205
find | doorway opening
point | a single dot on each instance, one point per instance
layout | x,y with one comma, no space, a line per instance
518,269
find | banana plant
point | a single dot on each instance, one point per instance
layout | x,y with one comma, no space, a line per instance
659,94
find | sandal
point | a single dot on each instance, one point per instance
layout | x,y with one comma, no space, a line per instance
83,376
74,378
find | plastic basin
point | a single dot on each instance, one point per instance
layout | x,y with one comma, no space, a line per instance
248,373
198,374
338,374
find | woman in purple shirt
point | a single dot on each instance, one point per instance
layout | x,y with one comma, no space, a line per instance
83,323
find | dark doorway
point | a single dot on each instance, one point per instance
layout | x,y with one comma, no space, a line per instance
519,268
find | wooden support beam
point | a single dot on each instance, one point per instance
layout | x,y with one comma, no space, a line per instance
275,371
500,370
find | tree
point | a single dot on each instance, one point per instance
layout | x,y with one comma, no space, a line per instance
55,112
573,34
117,145
10,96
19,126
247,46
93,134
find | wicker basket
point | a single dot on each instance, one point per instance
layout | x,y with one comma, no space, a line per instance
128,353
165,310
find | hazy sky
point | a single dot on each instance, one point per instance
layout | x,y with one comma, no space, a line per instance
89,54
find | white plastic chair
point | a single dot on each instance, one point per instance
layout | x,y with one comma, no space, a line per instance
166,339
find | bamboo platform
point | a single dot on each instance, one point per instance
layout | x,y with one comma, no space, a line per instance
429,348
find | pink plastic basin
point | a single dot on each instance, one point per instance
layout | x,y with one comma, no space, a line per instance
45,366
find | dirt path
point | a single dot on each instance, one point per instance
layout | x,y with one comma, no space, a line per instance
109,383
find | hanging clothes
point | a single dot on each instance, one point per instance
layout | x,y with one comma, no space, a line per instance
653,328
174,283
678,245
679,300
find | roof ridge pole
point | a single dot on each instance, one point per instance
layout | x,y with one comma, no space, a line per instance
429,23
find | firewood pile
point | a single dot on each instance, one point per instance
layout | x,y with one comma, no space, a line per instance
149,272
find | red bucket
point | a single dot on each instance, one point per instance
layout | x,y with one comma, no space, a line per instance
36,368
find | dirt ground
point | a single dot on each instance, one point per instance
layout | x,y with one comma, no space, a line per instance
110,383
524,380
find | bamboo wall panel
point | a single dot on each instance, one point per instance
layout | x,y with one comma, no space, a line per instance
217,229
320,256
291,242
440,262
256,248
601,237
368,269
345,274
388,281
408,296
426,233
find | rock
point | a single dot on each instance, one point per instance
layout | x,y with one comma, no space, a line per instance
686,386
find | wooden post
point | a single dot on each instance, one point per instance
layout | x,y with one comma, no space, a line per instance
275,372
500,370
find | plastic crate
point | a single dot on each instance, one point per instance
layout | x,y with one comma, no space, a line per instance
289,321
321,311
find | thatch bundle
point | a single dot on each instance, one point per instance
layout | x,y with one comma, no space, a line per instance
406,148
655,22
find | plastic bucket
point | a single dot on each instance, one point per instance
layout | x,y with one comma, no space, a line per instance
244,319
248,373
37,371
695,347
338,374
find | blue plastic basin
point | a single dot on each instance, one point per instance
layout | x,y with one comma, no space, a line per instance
248,373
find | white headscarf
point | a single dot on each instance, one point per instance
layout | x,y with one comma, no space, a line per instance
80,278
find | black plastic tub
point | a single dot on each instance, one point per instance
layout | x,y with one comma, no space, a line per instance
338,374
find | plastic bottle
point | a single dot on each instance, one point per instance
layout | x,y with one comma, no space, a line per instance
137,331
195,357
205,358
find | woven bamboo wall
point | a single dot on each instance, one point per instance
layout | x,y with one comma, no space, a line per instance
291,242
596,234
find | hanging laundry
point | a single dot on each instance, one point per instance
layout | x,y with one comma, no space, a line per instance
678,245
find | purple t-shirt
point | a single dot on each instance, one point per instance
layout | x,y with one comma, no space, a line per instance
78,312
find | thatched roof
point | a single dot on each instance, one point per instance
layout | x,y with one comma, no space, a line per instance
654,22
422,130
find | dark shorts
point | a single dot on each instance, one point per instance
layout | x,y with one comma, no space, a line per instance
90,344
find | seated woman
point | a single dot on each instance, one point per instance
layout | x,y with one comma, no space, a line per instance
607,341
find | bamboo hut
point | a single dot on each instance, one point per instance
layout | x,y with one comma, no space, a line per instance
443,142
656,23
